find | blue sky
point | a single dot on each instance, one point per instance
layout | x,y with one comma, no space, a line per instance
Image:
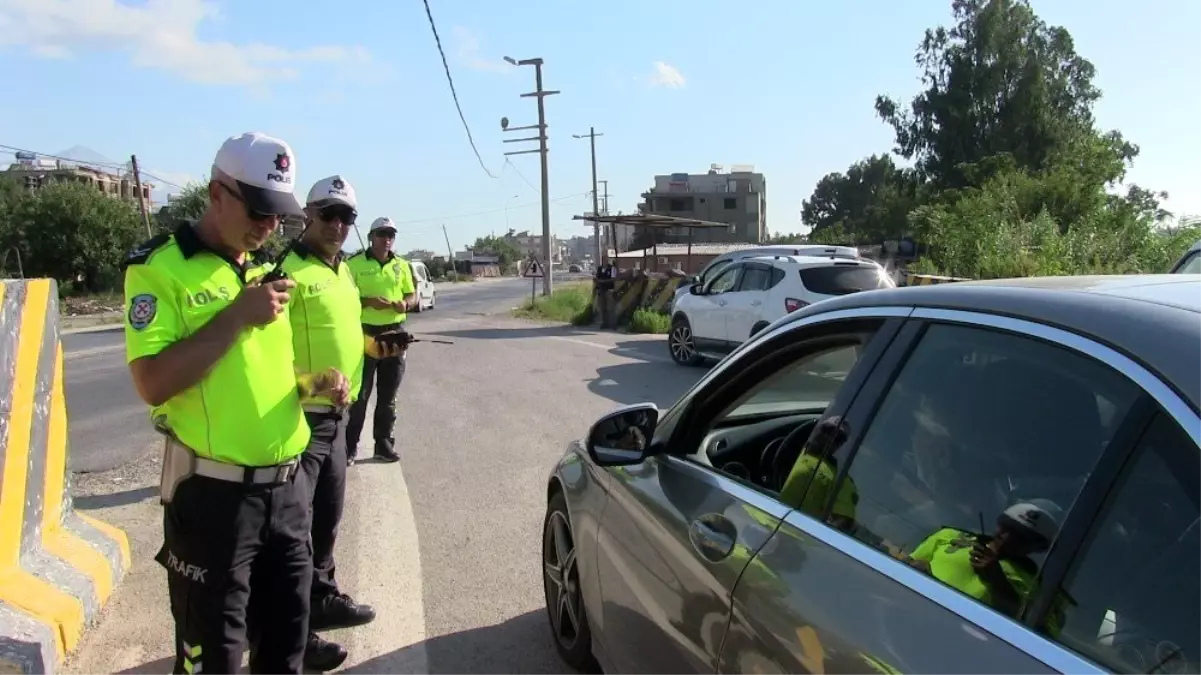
357,88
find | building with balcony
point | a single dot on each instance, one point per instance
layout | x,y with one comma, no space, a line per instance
34,173
737,197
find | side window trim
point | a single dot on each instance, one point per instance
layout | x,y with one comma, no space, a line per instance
689,435
1088,505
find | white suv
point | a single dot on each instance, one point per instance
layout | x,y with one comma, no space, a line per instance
713,318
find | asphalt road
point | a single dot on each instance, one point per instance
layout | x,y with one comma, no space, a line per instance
445,544
108,422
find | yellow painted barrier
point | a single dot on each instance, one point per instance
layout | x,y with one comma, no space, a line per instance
57,567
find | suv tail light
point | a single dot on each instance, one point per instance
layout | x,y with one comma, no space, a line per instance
792,304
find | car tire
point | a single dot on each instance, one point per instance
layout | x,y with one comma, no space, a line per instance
758,327
563,590
680,343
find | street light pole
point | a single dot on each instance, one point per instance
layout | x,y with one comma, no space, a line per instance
540,94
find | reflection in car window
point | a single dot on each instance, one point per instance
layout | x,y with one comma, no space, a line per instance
755,279
977,450
1192,265
809,383
1135,588
724,281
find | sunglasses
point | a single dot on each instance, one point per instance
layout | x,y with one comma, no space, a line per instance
385,234
257,216
339,212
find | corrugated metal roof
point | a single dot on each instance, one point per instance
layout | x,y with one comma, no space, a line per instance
682,249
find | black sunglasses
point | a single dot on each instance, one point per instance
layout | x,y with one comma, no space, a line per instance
384,234
257,216
339,212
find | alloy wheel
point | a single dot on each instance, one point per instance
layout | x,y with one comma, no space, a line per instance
562,579
680,343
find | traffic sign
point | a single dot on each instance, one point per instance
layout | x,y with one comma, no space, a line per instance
533,270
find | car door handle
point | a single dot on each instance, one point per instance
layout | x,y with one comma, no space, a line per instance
722,303
712,536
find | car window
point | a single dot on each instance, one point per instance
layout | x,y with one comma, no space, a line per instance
809,383
975,453
843,279
1190,265
1131,599
725,281
714,267
755,278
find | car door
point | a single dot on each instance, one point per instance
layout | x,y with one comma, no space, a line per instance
972,431
677,532
708,315
745,304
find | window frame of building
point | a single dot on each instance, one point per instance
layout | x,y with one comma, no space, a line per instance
730,203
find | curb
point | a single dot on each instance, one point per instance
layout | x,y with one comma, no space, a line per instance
57,567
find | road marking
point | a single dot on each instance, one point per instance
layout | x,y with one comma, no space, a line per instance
387,564
92,351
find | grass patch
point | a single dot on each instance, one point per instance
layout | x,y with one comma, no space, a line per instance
649,321
570,303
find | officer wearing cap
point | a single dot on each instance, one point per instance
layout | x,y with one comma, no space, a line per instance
210,350
326,333
387,291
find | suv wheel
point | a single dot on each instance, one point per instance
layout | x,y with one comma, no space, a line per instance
681,344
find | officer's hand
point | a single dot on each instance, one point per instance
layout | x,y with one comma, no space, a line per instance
381,350
332,384
400,306
377,303
259,304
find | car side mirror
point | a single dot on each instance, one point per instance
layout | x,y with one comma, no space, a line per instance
623,437
697,289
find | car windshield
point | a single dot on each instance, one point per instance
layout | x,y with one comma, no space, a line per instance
808,384
1191,264
844,279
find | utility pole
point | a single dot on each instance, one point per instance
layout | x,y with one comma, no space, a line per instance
539,94
596,229
449,251
610,235
137,182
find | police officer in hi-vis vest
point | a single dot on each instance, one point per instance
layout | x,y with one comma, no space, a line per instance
210,349
387,291
326,333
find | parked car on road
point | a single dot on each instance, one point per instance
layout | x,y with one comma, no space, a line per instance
979,477
426,293
720,262
750,293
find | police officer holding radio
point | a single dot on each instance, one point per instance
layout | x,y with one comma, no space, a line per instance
210,350
326,333
387,291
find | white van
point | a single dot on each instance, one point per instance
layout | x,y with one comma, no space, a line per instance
425,288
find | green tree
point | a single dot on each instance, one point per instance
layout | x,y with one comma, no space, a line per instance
72,233
497,246
190,204
869,202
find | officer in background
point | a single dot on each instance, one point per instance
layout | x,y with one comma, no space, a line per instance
386,287
325,315
210,350
606,273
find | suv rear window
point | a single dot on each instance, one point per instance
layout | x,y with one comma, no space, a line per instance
842,279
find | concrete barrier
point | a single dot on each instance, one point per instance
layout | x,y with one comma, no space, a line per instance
639,291
57,567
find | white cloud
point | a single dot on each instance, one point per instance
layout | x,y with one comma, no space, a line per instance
468,52
667,76
159,34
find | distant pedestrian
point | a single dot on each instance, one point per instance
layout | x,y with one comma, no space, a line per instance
604,281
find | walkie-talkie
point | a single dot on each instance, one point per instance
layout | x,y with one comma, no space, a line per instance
277,272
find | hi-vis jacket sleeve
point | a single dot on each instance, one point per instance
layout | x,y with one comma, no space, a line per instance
152,318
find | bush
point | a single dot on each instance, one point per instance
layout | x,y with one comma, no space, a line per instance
570,304
649,321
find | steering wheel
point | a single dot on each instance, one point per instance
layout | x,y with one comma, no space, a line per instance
778,456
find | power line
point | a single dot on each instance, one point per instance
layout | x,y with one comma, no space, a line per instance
513,166
450,80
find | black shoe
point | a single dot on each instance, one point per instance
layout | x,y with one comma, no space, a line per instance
338,610
322,655
387,456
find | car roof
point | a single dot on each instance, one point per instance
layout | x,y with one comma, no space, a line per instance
813,260
1153,318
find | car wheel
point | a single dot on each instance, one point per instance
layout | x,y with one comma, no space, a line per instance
758,327
561,582
681,344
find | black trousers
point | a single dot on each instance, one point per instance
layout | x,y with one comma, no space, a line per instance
389,372
324,463
238,558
